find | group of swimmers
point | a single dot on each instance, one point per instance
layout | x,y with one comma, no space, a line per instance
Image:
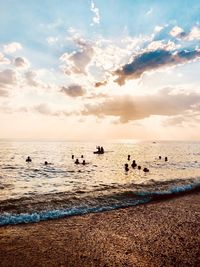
101,151
77,160
28,159
134,165
166,159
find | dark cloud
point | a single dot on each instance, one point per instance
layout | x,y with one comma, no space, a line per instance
98,84
128,108
21,62
73,90
7,77
153,60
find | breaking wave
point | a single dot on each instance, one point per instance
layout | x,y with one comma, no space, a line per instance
113,200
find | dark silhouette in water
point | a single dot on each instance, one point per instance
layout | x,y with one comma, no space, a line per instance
160,157
81,156
166,159
72,156
133,165
77,161
28,159
145,170
126,167
129,156
100,150
46,163
139,167
83,162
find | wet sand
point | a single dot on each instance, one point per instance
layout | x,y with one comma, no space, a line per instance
164,233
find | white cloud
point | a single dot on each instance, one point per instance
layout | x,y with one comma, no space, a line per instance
176,31
77,61
95,10
7,77
3,59
155,45
30,77
194,34
158,28
52,40
12,47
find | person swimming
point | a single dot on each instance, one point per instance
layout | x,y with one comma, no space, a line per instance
145,170
72,156
28,159
76,161
46,163
139,167
83,162
133,165
166,159
101,150
126,167
129,156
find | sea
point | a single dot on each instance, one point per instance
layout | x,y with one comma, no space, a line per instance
33,192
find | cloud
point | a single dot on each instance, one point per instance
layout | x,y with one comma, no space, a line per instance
176,31
3,93
95,10
158,28
7,77
152,60
161,45
3,59
77,61
12,47
187,118
73,90
192,35
166,102
52,40
30,77
21,62
98,84
43,109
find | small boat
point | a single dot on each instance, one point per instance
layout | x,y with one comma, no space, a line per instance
98,152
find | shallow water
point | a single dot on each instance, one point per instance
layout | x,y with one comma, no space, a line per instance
101,184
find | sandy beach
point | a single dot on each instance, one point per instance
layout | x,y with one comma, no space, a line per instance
164,233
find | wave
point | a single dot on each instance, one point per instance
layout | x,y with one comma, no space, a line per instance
85,205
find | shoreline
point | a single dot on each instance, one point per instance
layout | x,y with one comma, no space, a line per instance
159,233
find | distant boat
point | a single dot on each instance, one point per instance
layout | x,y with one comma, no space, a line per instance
100,150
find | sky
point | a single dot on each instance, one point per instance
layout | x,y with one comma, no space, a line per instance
100,69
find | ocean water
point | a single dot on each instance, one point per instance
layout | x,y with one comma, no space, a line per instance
30,192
